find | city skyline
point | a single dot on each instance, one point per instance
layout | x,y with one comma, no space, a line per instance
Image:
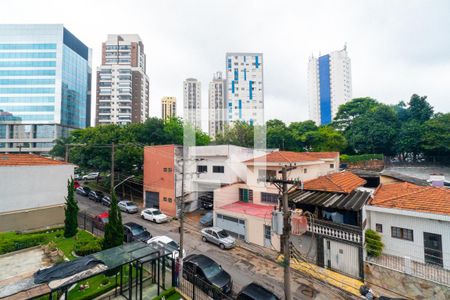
385,46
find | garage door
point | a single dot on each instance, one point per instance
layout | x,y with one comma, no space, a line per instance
152,199
234,226
341,257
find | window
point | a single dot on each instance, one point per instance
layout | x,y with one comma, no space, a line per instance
402,233
165,170
169,170
331,166
267,174
305,171
170,200
379,227
165,199
269,198
245,195
202,169
218,169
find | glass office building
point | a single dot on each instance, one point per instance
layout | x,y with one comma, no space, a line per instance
45,86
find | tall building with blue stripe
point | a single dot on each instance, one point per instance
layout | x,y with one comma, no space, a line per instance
245,88
45,86
329,85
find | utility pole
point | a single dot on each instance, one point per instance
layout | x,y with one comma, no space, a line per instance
112,168
286,236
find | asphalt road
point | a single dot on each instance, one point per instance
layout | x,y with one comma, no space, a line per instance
243,266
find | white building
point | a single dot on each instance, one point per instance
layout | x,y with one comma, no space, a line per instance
329,85
414,223
122,82
168,107
217,105
192,99
245,87
33,191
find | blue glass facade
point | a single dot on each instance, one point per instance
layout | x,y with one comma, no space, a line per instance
325,92
45,75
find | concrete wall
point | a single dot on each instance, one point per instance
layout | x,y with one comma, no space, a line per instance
405,285
31,187
32,218
413,249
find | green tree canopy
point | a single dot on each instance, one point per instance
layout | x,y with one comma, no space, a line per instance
352,110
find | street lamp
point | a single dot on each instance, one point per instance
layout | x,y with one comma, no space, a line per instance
129,177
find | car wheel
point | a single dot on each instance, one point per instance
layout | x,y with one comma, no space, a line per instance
142,216
222,246
203,238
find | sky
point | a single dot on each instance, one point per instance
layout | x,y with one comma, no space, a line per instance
397,47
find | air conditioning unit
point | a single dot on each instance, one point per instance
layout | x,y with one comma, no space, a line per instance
277,222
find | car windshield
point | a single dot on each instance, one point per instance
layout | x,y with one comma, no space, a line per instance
223,234
212,270
87,189
129,203
173,245
136,230
157,212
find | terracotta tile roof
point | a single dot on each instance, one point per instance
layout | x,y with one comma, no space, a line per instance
405,195
290,156
340,182
26,160
257,210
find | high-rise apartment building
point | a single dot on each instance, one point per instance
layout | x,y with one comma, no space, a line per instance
329,85
122,82
45,86
245,87
217,105
192,102
168,107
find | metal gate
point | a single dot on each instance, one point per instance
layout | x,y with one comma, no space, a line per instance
234,226
152,199
341,257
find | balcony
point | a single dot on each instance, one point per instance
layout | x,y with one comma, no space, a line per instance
339,231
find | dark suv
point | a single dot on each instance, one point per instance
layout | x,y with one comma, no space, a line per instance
254,291
207,275
135,232
96,196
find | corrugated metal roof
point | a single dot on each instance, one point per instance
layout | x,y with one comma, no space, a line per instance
353,201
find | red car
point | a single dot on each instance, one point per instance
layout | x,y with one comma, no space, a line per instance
76,184
101,220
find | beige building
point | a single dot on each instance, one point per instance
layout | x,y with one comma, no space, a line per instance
168,107
33,190
245,209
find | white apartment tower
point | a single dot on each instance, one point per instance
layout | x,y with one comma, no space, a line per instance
217,105
192,102
168,107
245,87
329,85
122,82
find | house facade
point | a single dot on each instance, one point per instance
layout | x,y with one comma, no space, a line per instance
414,224
245,208
334,205
33,190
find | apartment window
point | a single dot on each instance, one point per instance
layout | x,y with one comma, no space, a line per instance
218,169
305,171
165,170
165,199
169,170
170,200
331,166
269,198
379,227
202,169
402,233
245,195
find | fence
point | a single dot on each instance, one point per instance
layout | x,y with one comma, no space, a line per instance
196,288
413,268
88,223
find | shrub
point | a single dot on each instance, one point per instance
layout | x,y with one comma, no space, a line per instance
374,245
10,243
86,246
344,158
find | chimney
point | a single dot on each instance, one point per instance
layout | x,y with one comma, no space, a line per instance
437,180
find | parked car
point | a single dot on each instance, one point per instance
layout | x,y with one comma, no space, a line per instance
207,275
128,206
135,232
254,291
101,220
76,184
77,176
97,196
106,201
168,243
91,176
83,191
219,237
154,215
207,219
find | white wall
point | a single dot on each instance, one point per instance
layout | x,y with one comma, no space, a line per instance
413,249
26,187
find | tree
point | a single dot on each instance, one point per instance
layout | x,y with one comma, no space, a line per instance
409,140
114,228
71,211
436,138
325,138
419,109
239,134
352,110
278,135
297,130
374,245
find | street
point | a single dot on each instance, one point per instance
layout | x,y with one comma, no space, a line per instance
243,266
